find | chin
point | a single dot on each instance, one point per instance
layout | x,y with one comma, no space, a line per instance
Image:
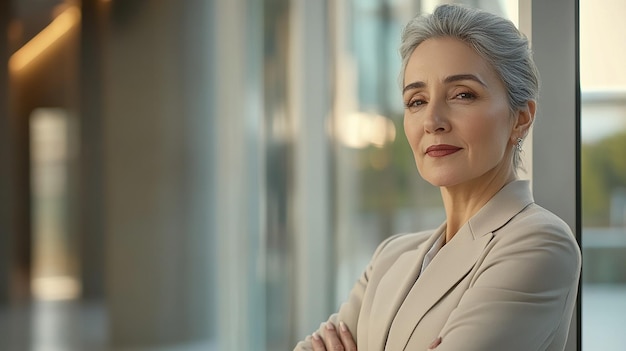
441,180
442,183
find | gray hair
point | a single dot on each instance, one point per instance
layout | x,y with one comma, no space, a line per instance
494,38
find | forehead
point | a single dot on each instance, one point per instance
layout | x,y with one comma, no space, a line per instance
437,58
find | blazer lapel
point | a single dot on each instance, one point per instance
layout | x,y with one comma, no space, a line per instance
449,266
393,288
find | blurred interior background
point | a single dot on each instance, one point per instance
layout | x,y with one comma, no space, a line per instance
215,174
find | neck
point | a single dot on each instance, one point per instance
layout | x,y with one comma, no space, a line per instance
462,201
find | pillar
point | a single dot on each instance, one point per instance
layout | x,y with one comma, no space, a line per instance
156,170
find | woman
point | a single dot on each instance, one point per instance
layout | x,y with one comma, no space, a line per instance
501,273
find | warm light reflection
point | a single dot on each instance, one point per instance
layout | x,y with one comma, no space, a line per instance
44,39
55,288
359,130
53,260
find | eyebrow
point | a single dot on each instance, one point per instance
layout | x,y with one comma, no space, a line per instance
449,79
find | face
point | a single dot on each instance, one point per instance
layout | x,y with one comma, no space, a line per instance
457,118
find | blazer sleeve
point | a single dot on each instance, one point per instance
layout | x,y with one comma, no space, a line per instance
349,310
524,290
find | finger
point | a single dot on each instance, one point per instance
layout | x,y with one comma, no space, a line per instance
346,337
435,343
317,342
332,339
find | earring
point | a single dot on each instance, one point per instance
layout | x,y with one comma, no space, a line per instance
518,146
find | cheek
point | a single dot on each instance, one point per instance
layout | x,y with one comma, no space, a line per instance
411,130
490,134
479,133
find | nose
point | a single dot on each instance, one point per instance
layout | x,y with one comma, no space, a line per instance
436,120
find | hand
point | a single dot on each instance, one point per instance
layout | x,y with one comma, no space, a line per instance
334,340
435,343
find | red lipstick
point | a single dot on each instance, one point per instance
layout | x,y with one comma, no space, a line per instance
441,150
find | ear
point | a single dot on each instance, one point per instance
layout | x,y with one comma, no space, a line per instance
524,118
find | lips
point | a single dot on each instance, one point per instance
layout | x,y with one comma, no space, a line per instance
441,150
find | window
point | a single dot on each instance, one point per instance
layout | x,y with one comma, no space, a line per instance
603,171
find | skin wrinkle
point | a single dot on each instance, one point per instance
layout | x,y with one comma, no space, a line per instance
447,80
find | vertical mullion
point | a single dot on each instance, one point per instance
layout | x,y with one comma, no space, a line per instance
556,174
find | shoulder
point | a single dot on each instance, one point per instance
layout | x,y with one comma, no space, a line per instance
396,245
535,222
392,248
539,237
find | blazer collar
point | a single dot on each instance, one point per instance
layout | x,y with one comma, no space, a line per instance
502,207
452,262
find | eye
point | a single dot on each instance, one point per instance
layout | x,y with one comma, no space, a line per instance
466,95
415,102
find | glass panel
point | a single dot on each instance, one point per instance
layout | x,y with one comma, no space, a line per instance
603,167
278,173
54,263
54,282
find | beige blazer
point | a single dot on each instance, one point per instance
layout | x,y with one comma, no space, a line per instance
506,281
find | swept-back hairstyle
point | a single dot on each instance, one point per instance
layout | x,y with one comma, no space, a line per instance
494,38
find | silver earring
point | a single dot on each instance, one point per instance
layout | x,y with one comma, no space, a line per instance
519,144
